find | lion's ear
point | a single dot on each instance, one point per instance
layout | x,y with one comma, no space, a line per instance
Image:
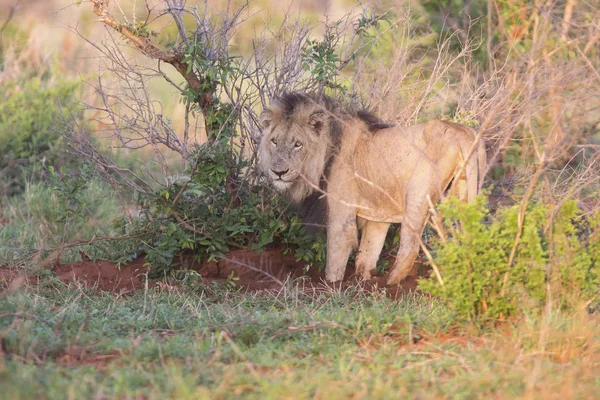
317,121
265,118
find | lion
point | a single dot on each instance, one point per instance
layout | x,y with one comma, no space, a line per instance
368,173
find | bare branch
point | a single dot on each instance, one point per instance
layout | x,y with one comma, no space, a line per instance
146,46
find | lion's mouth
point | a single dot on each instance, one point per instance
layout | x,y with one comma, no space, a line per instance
287,178
282,183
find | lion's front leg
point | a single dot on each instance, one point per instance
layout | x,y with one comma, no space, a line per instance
342,236
371,242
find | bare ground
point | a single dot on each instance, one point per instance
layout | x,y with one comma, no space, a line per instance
253,271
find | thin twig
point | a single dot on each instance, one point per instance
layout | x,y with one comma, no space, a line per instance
11,14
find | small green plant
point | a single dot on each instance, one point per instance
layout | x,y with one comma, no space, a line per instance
557,254
30,126
232,280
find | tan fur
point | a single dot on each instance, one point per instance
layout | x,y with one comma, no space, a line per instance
375,177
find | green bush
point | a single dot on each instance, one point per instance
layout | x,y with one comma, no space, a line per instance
71,206
558,253
32,115
218,219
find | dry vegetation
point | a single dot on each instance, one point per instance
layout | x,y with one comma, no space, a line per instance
532,92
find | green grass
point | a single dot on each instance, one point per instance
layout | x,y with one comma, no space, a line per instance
210,342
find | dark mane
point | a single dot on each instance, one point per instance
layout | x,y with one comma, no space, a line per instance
373,122
290,101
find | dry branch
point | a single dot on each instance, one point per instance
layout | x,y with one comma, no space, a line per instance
146,46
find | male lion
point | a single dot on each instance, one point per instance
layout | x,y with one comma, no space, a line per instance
366,170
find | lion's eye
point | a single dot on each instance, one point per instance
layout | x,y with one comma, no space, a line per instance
297,145
274,142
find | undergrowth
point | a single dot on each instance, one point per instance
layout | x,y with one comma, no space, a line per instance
31,126
200,213
555,259
71,206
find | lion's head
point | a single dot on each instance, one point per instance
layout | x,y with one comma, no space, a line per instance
299,133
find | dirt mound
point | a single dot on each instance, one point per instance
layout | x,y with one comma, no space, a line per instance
268,270
104,274
253,270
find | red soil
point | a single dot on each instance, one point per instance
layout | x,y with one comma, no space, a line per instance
76,356
253,271
106,275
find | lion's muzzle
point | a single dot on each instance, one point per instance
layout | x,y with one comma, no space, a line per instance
279,173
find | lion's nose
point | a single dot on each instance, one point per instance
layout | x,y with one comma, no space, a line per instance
280,172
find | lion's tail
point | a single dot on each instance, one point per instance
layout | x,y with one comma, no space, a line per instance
475,168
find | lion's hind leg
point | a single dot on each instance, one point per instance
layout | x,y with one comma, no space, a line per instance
415,216
407,254
371,242
458,188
